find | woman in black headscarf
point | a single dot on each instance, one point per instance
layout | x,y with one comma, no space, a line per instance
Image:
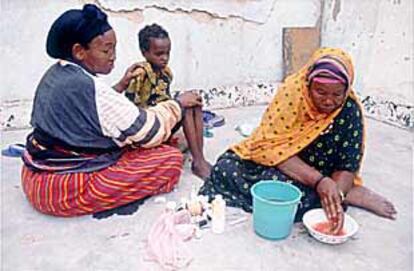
91,149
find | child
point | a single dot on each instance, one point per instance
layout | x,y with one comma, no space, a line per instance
152,86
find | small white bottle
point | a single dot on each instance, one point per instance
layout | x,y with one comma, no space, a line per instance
218,219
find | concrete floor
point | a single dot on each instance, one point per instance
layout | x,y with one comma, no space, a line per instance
32,241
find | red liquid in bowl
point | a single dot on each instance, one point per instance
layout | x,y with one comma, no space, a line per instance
325,228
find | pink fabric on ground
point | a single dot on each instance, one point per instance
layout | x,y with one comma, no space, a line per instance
166,240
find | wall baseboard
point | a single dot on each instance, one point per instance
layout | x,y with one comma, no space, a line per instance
15,114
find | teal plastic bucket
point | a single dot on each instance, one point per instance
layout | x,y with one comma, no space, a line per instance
274,208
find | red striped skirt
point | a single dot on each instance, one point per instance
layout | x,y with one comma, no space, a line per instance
137,174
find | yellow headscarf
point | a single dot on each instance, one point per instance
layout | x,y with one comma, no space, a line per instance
291,121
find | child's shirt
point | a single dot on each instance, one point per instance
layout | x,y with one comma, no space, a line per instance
149,88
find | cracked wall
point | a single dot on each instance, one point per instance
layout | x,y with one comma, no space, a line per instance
255,11
226,48
210,48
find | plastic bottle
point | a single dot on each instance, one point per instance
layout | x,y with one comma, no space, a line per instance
218,219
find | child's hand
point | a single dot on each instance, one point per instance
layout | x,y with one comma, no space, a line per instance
190,99
130,73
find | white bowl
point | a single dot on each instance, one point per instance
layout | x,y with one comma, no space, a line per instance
314,216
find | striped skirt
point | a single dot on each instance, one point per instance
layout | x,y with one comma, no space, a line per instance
137,174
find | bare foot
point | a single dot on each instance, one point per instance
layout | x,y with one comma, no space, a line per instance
365,198
201,169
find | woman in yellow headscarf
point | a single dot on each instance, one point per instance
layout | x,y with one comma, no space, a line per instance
312,134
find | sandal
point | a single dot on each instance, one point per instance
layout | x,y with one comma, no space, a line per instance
13,150
207,132
211,119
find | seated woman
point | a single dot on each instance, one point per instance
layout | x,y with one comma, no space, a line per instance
91,148
312,135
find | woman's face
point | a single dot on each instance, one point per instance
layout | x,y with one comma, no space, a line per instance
100,55
327,97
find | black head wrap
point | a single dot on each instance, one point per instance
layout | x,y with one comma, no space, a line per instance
75,26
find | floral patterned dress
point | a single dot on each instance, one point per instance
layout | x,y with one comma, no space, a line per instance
338,148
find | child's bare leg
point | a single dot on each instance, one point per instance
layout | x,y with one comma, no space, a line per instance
199,166
199,126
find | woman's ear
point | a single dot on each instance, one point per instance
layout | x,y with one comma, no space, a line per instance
78,52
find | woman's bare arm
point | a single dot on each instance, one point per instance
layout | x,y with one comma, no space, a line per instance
300,171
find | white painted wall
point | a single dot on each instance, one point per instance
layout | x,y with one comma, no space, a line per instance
210,46
379,35
223,42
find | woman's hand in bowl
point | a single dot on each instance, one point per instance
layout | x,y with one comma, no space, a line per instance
331,203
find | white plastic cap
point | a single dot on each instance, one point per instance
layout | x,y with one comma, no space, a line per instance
218,196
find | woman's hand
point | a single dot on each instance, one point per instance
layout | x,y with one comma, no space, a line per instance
331,203
130,73
189,99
